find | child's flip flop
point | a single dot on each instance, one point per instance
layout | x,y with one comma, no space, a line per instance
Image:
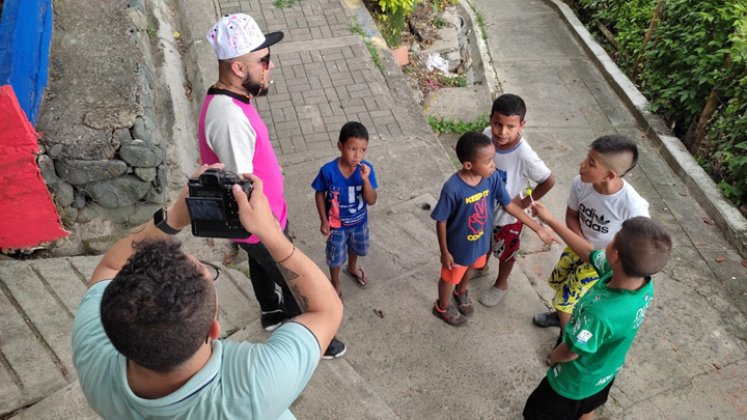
361,281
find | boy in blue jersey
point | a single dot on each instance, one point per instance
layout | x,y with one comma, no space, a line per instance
463,215
343,188
605,320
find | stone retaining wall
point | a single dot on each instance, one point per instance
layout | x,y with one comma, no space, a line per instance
103,153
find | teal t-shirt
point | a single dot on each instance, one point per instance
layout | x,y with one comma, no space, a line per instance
601,330
240,381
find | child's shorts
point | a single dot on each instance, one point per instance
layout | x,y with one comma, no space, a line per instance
506,241
571,278
354,239
455,275
546,404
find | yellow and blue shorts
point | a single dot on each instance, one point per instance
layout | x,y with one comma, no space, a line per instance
571,279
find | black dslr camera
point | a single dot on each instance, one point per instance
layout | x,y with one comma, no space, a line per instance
212,207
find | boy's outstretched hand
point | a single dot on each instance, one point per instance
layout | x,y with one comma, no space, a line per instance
547,235
540,211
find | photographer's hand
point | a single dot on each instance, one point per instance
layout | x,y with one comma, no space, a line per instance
255,212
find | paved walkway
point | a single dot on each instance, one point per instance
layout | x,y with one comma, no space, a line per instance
689,359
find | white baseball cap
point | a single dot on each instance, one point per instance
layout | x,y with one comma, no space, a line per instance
238,34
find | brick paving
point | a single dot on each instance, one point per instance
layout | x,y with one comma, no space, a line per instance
323,77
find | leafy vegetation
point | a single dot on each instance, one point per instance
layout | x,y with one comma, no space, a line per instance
480,22
458,80
394,14
446,125
375,57
689,57
280,4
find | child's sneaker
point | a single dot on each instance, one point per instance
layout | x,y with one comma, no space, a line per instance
464,303
546,319
450,315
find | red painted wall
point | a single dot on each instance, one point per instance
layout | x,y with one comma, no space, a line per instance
27,215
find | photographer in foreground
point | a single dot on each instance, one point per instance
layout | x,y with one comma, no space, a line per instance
145,338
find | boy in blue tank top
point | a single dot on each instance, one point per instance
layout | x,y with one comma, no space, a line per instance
344,187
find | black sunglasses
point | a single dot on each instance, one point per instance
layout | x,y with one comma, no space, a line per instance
264,60
213,269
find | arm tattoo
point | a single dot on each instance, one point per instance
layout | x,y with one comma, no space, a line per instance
303,302
287,274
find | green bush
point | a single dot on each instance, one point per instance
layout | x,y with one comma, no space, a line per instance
726,141
697,51
627,19
394,16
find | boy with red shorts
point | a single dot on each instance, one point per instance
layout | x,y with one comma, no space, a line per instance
518,163
462,216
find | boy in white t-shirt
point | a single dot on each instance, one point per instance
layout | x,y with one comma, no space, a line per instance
598,204
517,164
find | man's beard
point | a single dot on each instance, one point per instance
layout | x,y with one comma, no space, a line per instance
254,88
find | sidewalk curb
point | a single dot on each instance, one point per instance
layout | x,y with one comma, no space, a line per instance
704,190
199,70
489,72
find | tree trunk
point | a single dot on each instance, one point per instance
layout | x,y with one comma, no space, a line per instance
655,17
705,116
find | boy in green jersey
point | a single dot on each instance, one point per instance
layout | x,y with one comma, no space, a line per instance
604,322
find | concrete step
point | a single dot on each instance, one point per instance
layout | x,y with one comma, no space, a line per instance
38,301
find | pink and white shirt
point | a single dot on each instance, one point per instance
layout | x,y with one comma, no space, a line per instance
232,132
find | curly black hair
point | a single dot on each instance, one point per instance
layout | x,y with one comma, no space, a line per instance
159,308
468,145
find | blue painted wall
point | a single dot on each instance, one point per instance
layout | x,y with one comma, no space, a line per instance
25,36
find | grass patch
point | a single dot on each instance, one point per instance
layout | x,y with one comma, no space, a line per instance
280,4
357,29
458,80
439,22
447,125
480,22
151,31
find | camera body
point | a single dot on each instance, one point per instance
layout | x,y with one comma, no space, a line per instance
212,207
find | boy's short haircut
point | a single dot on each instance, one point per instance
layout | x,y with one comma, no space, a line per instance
468,145
644,246
620,152
509,104
352,129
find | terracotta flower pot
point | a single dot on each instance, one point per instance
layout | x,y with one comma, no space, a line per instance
401,55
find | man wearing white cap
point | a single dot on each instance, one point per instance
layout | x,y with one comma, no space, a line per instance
232,132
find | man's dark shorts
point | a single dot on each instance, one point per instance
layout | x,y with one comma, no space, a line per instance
546,404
